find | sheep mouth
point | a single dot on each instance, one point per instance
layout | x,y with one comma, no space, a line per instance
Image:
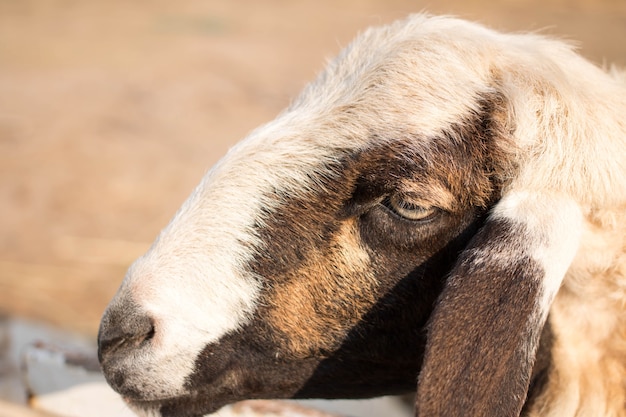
206,396
181,406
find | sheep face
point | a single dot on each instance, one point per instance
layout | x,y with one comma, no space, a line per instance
310,259
327,276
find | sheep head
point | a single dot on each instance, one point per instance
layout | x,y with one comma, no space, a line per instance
388,224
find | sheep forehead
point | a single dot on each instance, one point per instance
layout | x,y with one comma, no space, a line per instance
420,73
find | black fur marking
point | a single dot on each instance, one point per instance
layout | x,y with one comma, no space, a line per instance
383,354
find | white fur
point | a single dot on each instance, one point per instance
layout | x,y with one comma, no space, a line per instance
554,225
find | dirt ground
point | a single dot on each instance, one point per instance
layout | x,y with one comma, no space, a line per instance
111,111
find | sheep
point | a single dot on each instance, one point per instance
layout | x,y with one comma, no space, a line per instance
442,209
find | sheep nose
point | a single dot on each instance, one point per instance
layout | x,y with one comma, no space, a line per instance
123,330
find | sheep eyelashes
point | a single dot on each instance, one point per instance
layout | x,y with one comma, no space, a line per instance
444,204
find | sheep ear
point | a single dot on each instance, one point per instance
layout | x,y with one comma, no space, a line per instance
485,328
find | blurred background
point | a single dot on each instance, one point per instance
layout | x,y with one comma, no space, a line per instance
111,111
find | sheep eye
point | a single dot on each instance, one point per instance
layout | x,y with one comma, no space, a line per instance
408,210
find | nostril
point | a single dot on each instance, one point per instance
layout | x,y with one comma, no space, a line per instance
107,345
150,333
122,333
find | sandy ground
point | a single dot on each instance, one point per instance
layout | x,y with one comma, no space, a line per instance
111,111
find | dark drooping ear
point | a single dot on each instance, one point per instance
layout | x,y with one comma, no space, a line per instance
485,328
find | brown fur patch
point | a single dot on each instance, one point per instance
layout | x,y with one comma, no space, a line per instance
319,302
